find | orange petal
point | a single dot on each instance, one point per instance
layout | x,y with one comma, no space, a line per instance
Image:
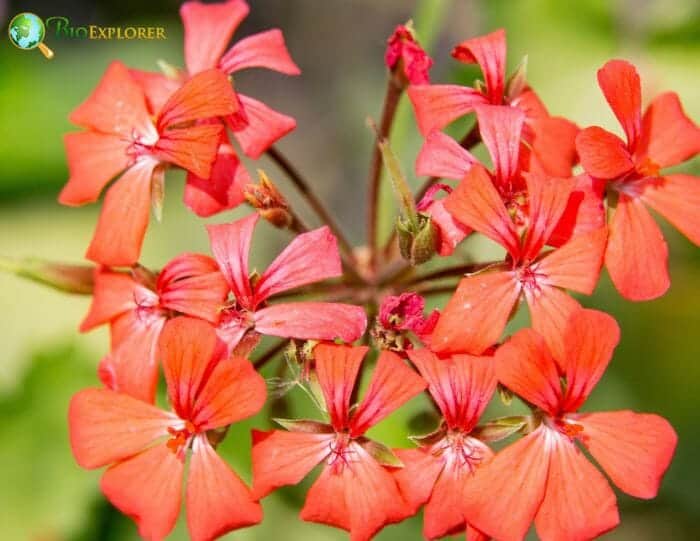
506,493
584,212
525,365
217,500
208,29
262,126
206,95
117,106
620,84
501,127
489,51
676,198
106,426
578,504
124,218
337,368
262,50
417,478
443,157
634,449
477,313
284,458
113,295
93,160
436,106
393,384
603,154
636,242
147,488
193,148
553,145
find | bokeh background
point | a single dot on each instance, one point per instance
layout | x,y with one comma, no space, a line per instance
339,45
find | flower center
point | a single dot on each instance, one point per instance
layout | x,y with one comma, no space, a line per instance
180,438
648,168
341,452
462,450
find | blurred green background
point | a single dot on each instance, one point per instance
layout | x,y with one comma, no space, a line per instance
339,45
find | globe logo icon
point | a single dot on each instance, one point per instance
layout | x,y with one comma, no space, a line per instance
27,31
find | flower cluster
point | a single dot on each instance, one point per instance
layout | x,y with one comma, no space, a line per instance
561,202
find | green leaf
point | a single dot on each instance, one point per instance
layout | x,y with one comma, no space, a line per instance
380,452
305,425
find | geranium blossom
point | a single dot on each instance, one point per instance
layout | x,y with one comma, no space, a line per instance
190,284
146,447
121,137
545,476
662,138
355,490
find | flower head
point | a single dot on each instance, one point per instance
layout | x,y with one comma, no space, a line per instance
121,137
355,490
663,137
146,447
405,56
545,476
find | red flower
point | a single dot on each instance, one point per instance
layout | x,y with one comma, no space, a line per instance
450,231
550,139
310,257
405,313
545,476
355,491
136,312
121,137
439,473
405,54
663,137
146,447
522,212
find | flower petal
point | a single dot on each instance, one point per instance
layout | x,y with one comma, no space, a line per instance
547,198
147,488
186,348
217,500
589,341
576,265
507,491
553,145
477,313
477,204
603,154
578,504
223,190
106,426
261,128
634,449
361,497
620,84
233,391
489,52
417,478
193,148
669,137
93,160
635,242
525,365
584,211
124,218
461,385
113,295
501,127
156,86
309,258
263,50
116,106
450,231
392,385
284,458
676,198
192,284
337,368
436,106
132,365
443,157
312,321
206,95
208,29
230,244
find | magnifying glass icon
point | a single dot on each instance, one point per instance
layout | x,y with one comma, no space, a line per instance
27,31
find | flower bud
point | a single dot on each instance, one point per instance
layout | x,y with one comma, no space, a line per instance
269,202
419,244
408,62
68,278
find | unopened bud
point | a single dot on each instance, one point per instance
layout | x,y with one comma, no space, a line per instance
158,191
499,429
269,202
69,278
518,81
419,244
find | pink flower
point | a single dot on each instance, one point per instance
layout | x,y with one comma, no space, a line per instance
439,473
355,490
146,447
309,258
545,476
190,284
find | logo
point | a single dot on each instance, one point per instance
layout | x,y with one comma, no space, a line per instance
27,32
